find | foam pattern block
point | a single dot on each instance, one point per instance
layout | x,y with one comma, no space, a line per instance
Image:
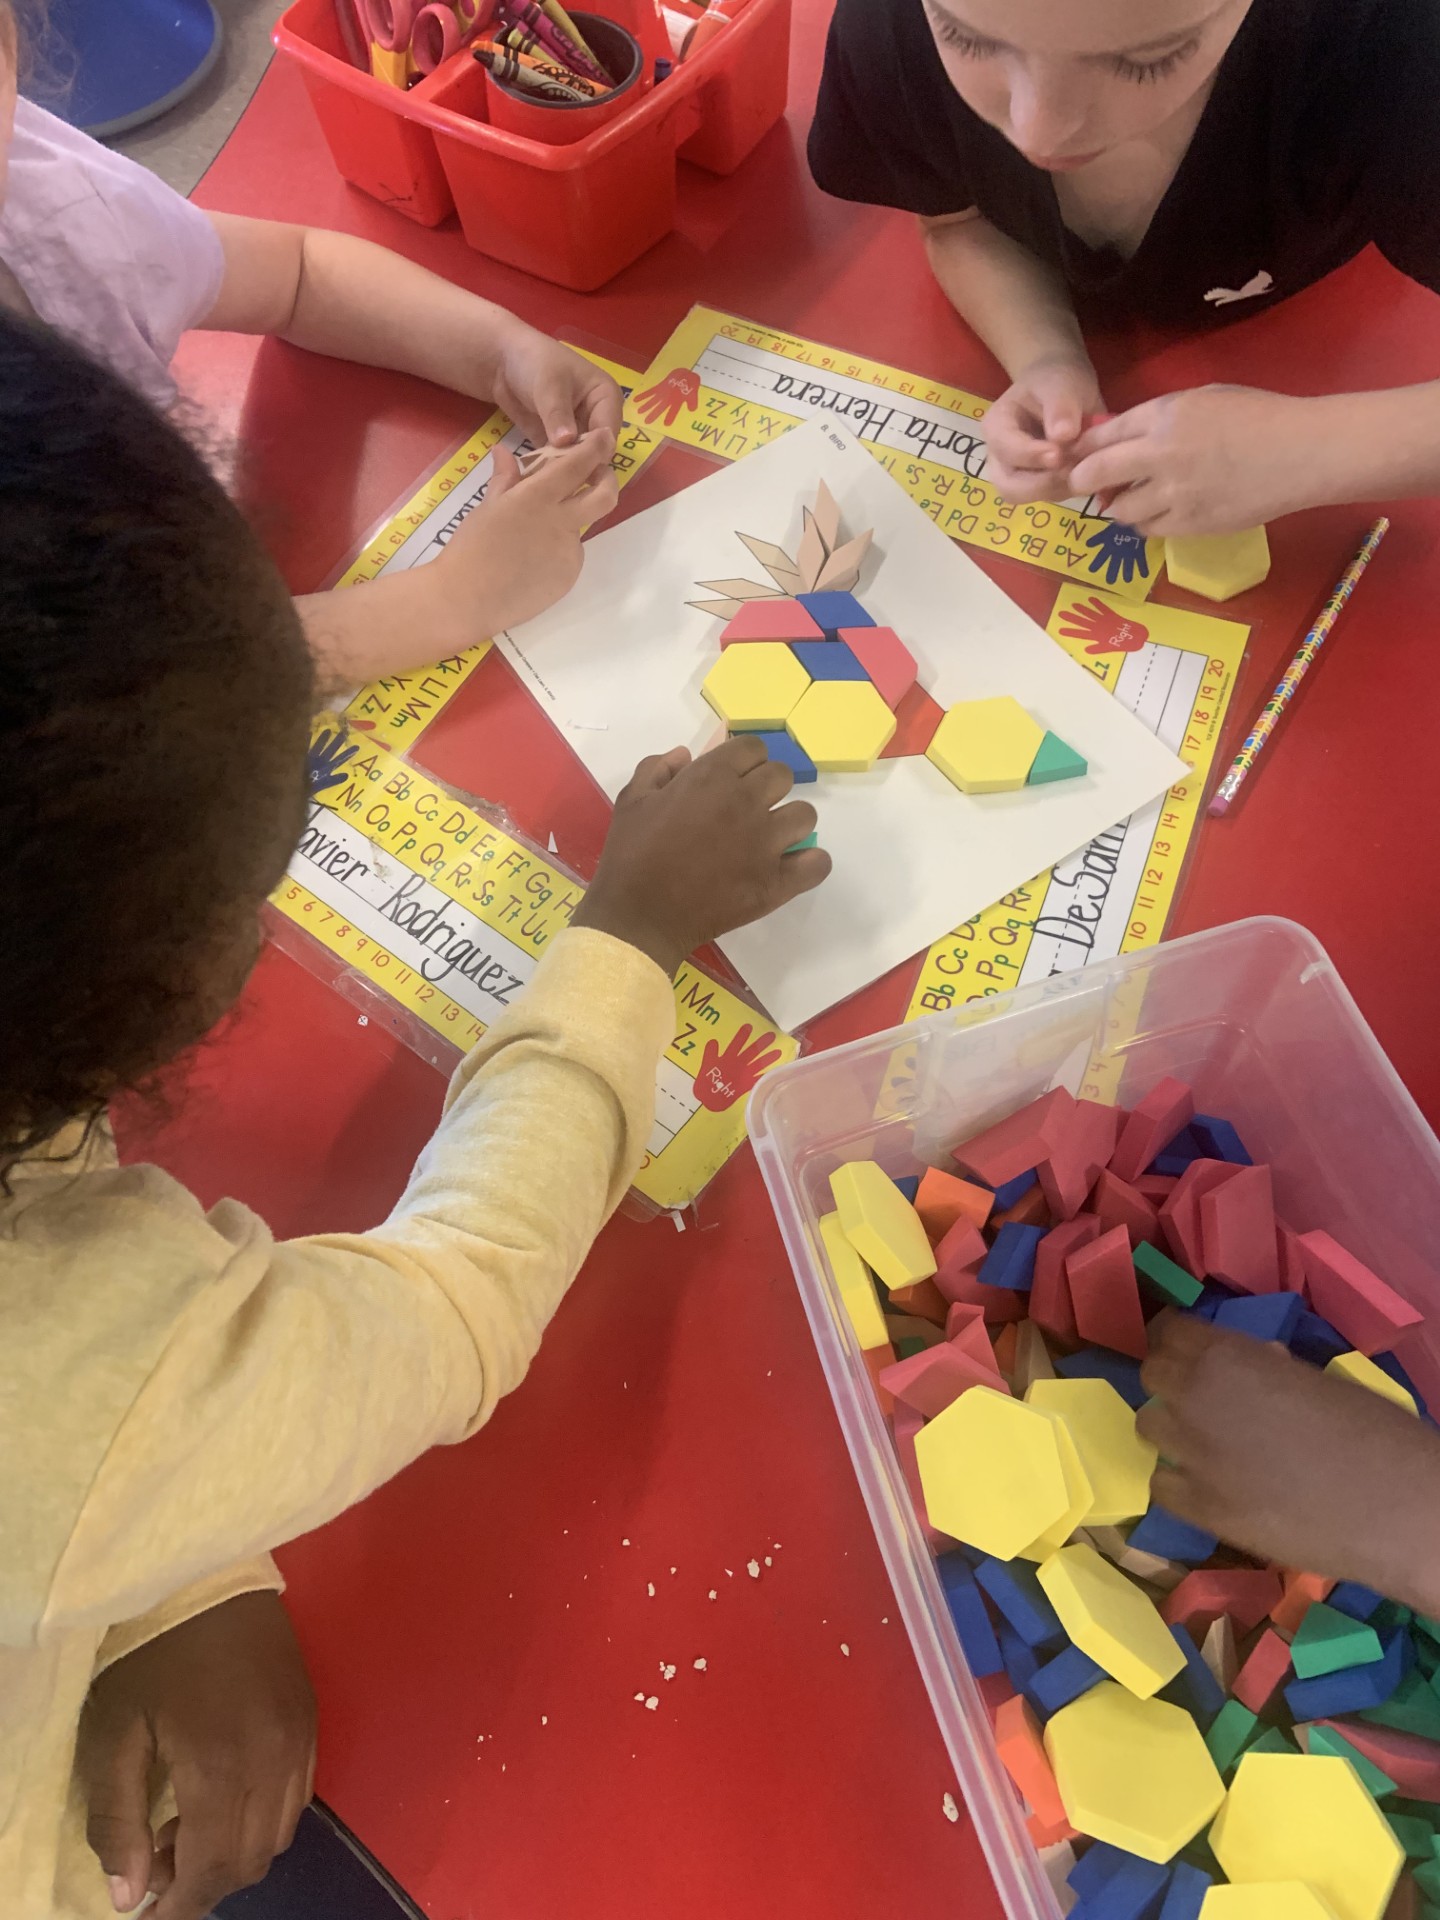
1230,1733
1150,1125
1117,1462
1111,1619
843,725
885,658
1164,1533
1092,1363
943,1198
881,1224
1370,1314
1354,1689
1017,1144
828,660
1325,1740
1065,1678
1307,1817
1185,1896
1010,1261
1104,1294
1195,1688
1015,1591
1328,1641
1364,1373
1023,1490
771,620
1264,1316
1172,1283
986,746
1217,566
1268,1900
967,1610
1054,760
1133,1772
1022,1752
755,688
831,611
856,1288
1219,1140
1008,1192
779,746
1237,1230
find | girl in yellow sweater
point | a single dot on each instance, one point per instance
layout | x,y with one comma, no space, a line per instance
179,1392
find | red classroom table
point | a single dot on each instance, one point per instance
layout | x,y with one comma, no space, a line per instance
676,1425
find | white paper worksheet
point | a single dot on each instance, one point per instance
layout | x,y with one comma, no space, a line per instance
619,663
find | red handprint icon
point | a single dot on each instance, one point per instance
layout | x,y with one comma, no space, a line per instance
665,399
1107,629
727,1077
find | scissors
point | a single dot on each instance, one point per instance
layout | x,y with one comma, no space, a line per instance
429,30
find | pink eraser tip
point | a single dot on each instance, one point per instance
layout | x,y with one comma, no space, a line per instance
1217,806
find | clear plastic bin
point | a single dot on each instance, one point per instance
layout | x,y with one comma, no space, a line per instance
1254,1017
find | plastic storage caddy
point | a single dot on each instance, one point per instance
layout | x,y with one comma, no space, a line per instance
573,212
1255,1018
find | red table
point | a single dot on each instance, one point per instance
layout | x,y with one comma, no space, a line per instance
479,1630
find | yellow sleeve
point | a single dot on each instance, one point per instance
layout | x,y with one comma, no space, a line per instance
306,1373
259,1575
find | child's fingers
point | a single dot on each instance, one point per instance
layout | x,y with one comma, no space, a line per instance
770,782
1121,465
600,409
554,404
597,500
1014,439
797,821
214,1854
117,1825
802,872
655,771
505,473
566,472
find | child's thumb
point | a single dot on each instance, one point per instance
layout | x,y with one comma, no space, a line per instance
1060,411
118,1823
555,404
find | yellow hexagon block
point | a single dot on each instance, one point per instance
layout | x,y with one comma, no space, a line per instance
857,1289
843,725
986,746
1133,1772
1218,565
1274,1900
1365,1373
1111,1619
1117,1462
1079,1496
1305,1816
881,1225
991,1472
754,687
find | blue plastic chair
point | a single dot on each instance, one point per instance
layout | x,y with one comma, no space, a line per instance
109,65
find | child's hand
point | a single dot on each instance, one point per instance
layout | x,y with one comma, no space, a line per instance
697,848
223,1704
1291,1464
519,551
1209,460
554,393
1032,429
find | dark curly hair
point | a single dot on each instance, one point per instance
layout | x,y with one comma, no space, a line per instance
155,692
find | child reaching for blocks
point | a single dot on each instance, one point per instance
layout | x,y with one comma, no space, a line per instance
98,248
1159,161
179,1391
1099,1411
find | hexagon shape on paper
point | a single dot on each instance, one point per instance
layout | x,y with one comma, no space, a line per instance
1306,1816
1133,1772
986,746
991,1472
843,725
755,687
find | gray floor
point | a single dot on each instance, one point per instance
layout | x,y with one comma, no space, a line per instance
181,144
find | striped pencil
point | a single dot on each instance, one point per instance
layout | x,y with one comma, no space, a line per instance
1296,671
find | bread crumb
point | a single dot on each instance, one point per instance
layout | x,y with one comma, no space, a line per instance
544,1719
713,1594
768,1561
667,1672
641,1698
650,1588
949,1808
752,1567
700,1666
653,1702
845,1650
624,1543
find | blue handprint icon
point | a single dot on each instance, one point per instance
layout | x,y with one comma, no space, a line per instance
1121,551
328,755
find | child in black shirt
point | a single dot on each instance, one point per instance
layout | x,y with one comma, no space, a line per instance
1175,161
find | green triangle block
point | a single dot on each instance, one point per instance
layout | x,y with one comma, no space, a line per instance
1412,1708
1377,1784
1414,1835
1231,1731
1327,1641
1182,1289
810,840
1430,1628
1055,761
1427,1879
1272,1741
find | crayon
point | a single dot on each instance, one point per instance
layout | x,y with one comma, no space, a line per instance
529,76
1296,671
569,52
560,18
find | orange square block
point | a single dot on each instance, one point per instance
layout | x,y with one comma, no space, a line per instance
944,1198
